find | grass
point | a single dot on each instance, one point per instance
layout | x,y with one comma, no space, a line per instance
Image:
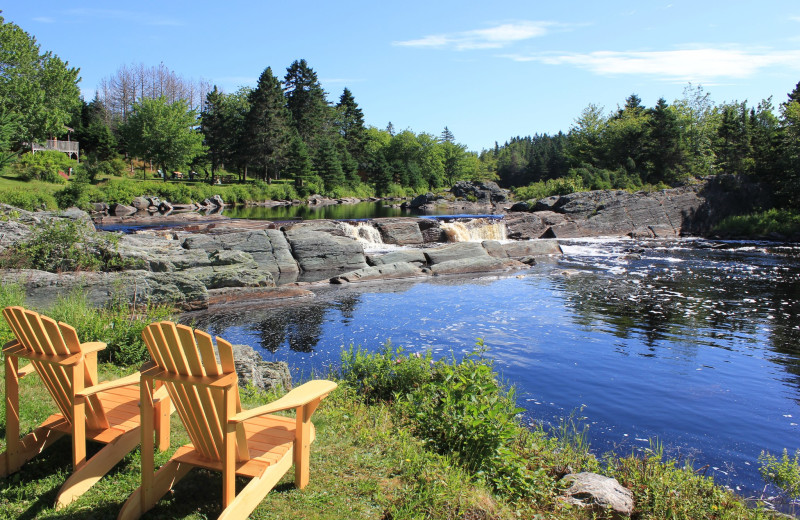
783,222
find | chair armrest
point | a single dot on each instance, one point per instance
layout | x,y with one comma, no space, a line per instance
11,343
108,385
27,369
300,396
92,346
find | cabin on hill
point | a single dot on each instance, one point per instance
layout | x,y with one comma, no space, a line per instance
69,147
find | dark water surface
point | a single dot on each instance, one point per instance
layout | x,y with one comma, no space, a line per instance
693,343
361,210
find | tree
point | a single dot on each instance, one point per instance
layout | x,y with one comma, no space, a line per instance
328,165
163,132
733,148
447,136
298,162
38,91
268,130
350,123
306,102
91,130
664,145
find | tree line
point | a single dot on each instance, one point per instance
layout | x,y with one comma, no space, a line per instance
664,145
287,129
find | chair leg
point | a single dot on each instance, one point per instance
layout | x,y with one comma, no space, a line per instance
27,448
88,473
163,480
255,490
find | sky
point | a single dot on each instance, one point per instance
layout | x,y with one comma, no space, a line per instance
488,71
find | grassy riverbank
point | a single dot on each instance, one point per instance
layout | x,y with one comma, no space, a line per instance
404,437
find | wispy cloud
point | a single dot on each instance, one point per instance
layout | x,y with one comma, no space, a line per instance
495,37
696,65
129,16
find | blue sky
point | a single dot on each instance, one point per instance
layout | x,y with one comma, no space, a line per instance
487,70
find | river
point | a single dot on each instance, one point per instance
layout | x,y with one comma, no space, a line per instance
691,343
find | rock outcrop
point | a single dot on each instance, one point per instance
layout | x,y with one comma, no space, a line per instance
266,375
687,210
602,496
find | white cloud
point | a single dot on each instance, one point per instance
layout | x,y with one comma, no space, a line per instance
696,65
495,37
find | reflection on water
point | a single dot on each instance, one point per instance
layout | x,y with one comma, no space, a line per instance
361,210
690,342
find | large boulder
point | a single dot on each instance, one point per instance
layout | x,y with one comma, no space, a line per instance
458,251
402,232
477,264
542,247
600,495
485,192
139,287
268,248
319,251
379,272
414,256
266,375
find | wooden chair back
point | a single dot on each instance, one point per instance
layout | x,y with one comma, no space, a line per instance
192,374
51,348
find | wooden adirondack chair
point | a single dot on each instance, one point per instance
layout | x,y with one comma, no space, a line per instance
249,443
107,413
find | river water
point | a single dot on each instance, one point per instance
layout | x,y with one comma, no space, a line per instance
689,342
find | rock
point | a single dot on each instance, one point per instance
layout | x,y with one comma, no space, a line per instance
533,248
140,287
478,264
421,200
526,226
318,251
400,231
379,272
100,207
599,494
459,251
165,207
217,201
520,206
495,249
268,248
120,210
266,375
141,203
486,192
414,256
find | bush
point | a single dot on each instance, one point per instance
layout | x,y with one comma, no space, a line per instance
76,194
64,245
384,375
10,294
118,324
548,188
43,166
784,222
784,473
29,199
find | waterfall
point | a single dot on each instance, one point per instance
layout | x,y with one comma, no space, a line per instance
365,233
475,230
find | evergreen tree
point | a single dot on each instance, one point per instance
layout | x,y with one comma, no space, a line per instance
350,123
390,129
447,136
213,125
91,131
664,148
268,130
305,99
734,147
298,162
328,165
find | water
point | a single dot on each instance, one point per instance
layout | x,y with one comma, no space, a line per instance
693,343
361,210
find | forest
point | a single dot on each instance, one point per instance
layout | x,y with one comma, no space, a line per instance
286,129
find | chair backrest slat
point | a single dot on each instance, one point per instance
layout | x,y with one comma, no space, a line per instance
181,351
41,335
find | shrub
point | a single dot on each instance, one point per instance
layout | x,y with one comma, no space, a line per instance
784,222
43,166
64,245
118,324
28,199
542,189
10,294
784,473
76,193
382,376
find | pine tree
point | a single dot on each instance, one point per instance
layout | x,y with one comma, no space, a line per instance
447,136
213,128
328,165
664,149
298,162
350,123
268,128
306,102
